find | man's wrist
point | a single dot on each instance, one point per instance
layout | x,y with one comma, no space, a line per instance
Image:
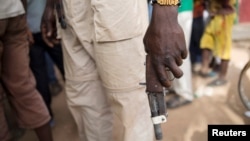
166,2
50,3
166,15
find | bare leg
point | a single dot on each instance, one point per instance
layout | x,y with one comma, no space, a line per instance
223,69
206,56
44,133
221,80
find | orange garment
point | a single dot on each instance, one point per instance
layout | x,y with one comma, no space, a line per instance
198,8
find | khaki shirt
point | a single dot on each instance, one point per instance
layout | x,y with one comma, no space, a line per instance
117,19
10,8
112,20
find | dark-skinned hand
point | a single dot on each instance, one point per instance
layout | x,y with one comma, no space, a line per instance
165,42
30,37
226,7
48,25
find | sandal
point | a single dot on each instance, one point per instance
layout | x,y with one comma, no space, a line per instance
176,101
209,74
217,82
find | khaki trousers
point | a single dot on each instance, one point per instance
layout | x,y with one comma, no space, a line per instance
102,79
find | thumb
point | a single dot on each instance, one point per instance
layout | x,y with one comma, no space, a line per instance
48,29
46,34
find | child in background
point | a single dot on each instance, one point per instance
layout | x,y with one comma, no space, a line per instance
217,38
196,34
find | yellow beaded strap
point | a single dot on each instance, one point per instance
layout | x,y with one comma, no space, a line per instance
167,2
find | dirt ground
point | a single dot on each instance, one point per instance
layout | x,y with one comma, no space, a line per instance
214,105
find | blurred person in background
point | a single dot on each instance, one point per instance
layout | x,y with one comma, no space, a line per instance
54,84
30,109
196,34
217,38
182,87
38,50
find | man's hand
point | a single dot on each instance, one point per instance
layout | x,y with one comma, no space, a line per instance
226,7
30,37
165,42
48,25
226,11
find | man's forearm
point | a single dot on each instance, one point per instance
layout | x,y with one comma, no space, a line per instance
50,3
165,10
164,16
